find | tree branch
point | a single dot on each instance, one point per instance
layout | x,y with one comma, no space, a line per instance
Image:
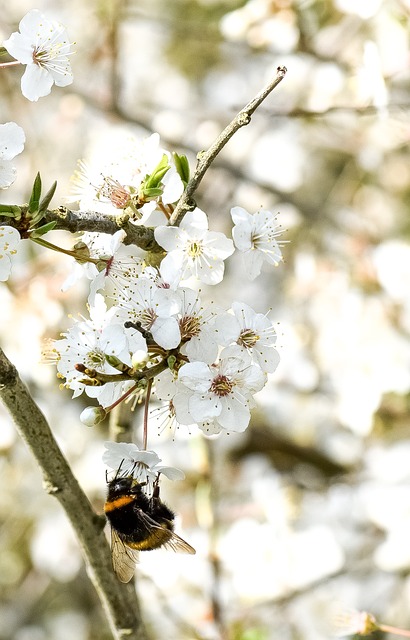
74,221
119,600
206,158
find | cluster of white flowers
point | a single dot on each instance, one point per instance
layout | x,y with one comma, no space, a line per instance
147,324
220,357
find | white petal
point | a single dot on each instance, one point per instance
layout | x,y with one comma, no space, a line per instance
30,23
268,359
218,245
196,219
203,348
171,267
240,215
167,237
196,376
166,333
181,406
36,82
210,271
172,473
5,268
20,48
242,236
253,261
235,415
12,140
204,407
8,174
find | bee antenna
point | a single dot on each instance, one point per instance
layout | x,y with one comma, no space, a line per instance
118,470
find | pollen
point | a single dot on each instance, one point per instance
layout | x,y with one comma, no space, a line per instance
248,338
221,386
190,326
195,250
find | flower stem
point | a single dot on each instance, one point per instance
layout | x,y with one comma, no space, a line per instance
398,632
117,402
9,64
146,408
67,252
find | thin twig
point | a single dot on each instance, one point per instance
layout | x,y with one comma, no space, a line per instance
206,158
119,600
146,412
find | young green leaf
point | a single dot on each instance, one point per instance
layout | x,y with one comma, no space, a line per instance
45,228
182,166
47,198
10,211
35,195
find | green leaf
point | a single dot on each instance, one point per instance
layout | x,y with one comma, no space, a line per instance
155,179
153,192
45,228
182,166
10,211
47,198
34,201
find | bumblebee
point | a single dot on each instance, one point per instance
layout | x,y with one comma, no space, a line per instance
138,523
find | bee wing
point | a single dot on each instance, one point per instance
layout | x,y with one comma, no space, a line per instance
178,544
123,558
175,542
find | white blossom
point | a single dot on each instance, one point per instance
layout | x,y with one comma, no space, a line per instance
9,241
127,459
197,328
222,392
256,236
43,46
88,343
109,263
252,333
154,308
12,141
111,179
193,250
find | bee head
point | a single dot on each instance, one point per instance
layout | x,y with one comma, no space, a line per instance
123,486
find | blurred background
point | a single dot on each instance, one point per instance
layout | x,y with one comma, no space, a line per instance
309,509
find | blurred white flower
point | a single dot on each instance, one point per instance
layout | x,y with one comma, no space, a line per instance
43,46
9,241
12,141
348,622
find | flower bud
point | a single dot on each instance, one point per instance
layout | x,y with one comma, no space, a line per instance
92,416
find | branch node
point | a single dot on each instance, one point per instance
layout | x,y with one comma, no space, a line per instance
243,119
51,488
